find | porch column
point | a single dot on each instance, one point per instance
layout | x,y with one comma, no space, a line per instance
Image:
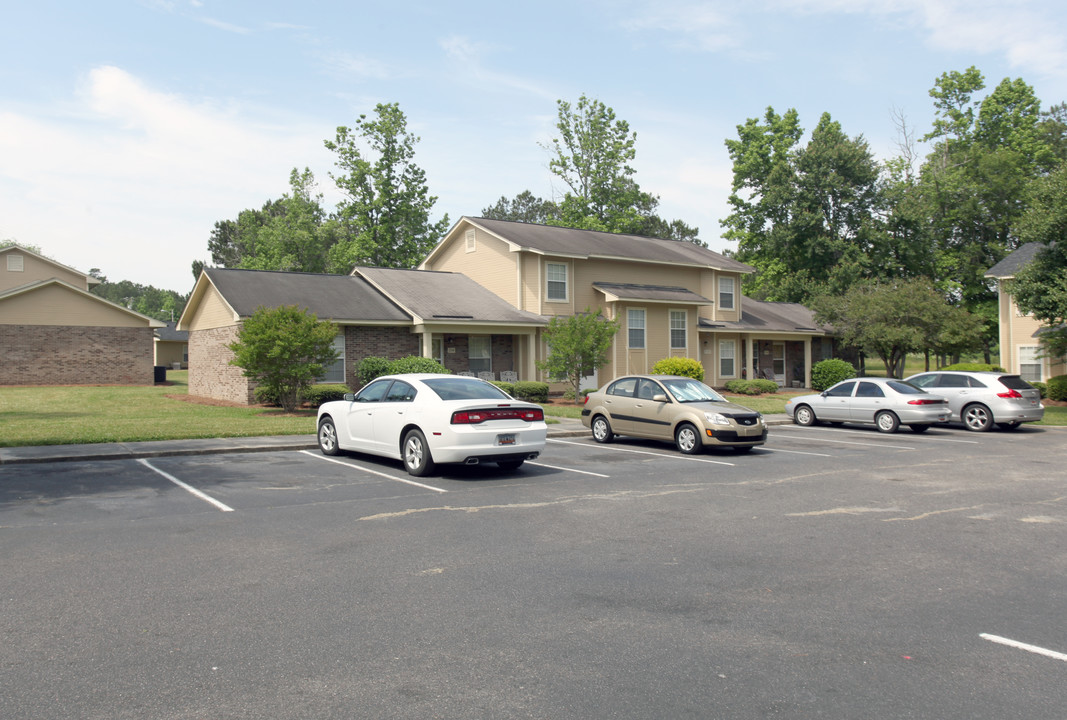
427,342
807,362
750,372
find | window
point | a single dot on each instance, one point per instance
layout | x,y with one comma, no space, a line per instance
727,356
635,325
469,236
437,349
869,390
556,274
624,387
400,392
480,358
1029,364
679,321
842,390
726,293
647,389
373,392
335,373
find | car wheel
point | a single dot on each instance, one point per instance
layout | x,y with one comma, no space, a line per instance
328,437
510,465
1013,425
687,439
804,415
602,432
417,458
919,428
977,418
886,421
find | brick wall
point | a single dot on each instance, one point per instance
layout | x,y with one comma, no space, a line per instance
391,343
63,355
210,372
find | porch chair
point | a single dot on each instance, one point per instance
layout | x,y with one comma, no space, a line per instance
487,376
465,373
509,376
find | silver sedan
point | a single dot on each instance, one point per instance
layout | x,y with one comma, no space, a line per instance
885,403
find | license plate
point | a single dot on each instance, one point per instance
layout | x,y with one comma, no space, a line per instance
507,439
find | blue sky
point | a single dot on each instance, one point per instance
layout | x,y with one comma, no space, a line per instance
128,128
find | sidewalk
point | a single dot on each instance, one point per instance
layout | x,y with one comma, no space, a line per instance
566,427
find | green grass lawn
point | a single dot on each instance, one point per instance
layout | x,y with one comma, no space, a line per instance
71,415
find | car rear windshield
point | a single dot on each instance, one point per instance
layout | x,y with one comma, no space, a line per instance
1014,382
462,388
905,388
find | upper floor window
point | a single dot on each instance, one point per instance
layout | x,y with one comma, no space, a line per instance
1030,363
469,236
556,273
726,293
635,328
679,321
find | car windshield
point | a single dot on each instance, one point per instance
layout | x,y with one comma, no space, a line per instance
687,390
464,388
905,388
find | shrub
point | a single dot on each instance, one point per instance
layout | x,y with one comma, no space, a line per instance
417,364
531,391
752,387
686,367
1057,387
318,394
830,372
265,395
507,387
974,367
372,367
1041,388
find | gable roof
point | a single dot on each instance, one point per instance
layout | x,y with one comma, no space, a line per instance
82,295
432,296
89,279
781,317
586,244
338,298
1016,261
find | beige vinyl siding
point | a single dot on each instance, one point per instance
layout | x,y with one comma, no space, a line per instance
34,269
491,264
211,312
60,305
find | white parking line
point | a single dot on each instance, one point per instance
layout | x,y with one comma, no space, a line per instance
924,437
794,452
847,442
203,496
1023,646
372,472
583,472
647,452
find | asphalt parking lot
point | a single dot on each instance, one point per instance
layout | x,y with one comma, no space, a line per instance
834,573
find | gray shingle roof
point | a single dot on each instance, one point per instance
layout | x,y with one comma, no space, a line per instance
338,298
651,293
1016,261
445,296
591,243
771,317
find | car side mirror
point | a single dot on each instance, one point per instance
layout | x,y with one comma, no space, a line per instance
659,398
824,393
350,397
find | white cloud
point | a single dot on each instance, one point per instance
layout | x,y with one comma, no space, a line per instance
698,26
466,56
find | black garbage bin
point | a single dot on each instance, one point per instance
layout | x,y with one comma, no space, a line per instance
161,373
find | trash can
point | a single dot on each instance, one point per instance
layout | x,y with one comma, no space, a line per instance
161,373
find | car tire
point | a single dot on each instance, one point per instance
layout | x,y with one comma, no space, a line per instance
602,431
417,458
687,439
327,436
804,415
919,428
510,465
1013,425
886,422
977,418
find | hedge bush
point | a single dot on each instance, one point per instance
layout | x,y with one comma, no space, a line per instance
569,393
686,367
752,387
974,367
827,373
318,394
372,367
1057,387
531,391
417,364
507,387
1041,388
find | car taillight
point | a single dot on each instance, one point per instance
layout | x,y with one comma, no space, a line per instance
473,417
1011,395
585,400
926,401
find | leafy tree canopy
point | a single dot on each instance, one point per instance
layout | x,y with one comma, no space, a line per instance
577,346
163,305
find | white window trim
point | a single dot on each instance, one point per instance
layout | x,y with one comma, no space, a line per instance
566,282
15,263
489,349
732,357
1034,360
732,293
471,239
338,344
684,328
644,328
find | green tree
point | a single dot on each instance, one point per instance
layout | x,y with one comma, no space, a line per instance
1040,288
892,319
284,349
524,207
577,346
592,155
164,305
385,216
807,217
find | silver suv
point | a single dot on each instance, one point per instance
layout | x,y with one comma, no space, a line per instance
979,399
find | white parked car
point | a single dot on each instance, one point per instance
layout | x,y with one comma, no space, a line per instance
426,419
979,399
887,403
